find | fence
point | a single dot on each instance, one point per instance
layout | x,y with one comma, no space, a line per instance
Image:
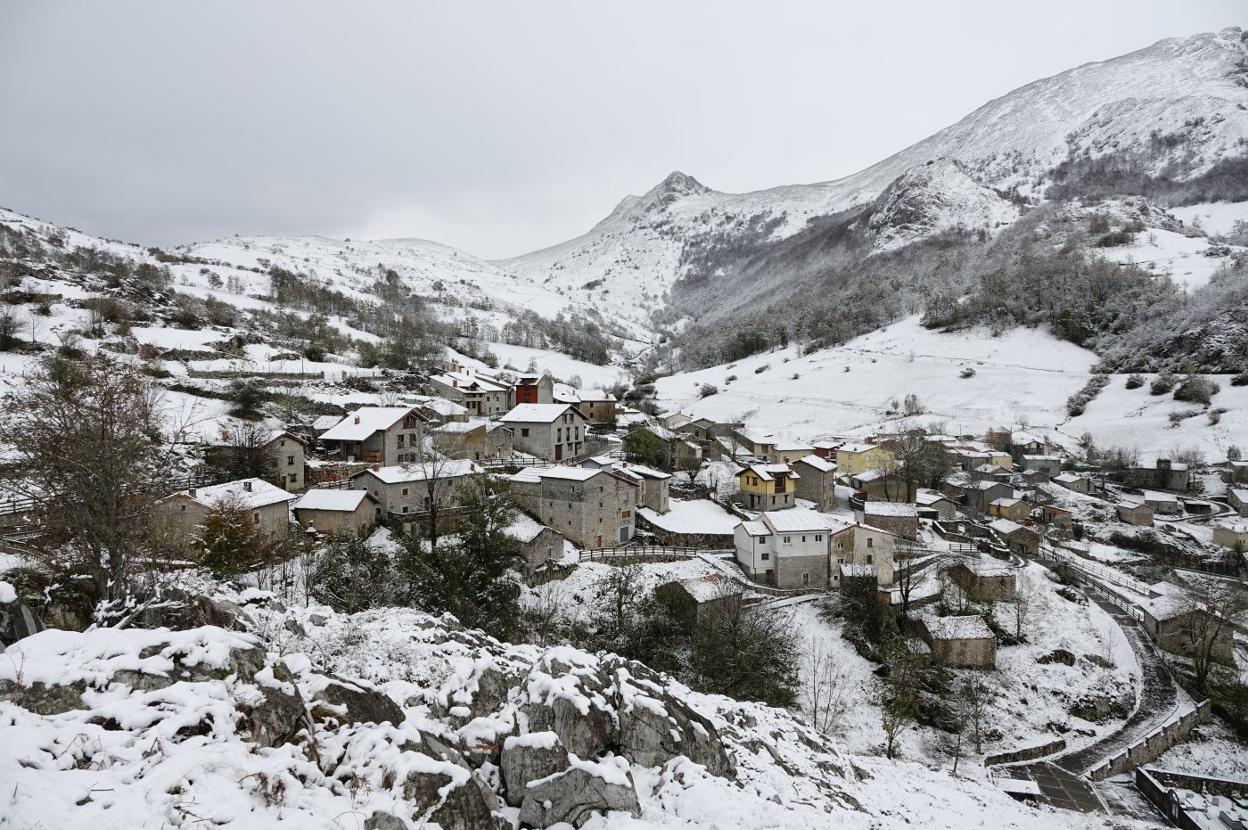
1151,746
645,552
165,486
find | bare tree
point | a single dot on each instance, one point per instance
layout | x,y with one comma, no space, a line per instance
976,696
1211,608
83,435
916,462
1026,596
438,471
825,692
8,327
735,424
899,700
35,324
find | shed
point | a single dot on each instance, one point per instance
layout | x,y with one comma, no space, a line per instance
961,642
337,512
692,600
1135,513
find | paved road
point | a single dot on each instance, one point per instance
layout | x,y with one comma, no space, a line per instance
1159,698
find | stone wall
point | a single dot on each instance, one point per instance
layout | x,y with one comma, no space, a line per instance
1152,746
1027,753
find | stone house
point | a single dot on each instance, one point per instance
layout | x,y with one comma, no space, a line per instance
1074,481
679,452
384,435
1235,472
991,472
1051,514
961,642
1050,464
700,429
1163,503
984,580
1233,535
787,452
553,431
1237,498
1135,513
767,486
403,492
898,518
871,484
691,600
1164,474
655,486
531,388
484,396
816,481
852,459
286,454
538,543
934,505
280,454
859,546
1021,540
1017,510
182,514
598,406
476,439
983,493
334,512
593,508
1177,625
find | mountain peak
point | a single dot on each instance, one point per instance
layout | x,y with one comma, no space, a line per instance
676,184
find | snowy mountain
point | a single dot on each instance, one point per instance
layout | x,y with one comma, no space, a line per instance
1180,104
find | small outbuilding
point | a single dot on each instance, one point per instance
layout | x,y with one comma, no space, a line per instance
1135,513
1021,540
337,512
1233,535
984,580
693,599
961,642
899,518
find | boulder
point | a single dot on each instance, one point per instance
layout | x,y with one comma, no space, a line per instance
576,795
280,714
182,610
585,734
43,699
1058,655
528,758
1097,707
350,702
16,619
654,732
436,797
385,821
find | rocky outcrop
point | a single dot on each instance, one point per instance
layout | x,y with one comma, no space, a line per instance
576,795
529,758
17,620
350,702
42,698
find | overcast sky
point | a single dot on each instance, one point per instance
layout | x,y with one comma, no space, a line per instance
498,127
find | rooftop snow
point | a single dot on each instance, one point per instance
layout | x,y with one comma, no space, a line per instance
398,473
823,465
536,413
325,499
890,508
249,493
366,420
698,516
797,519
971,627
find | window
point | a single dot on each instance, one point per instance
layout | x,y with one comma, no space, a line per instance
405,491
870,542
818,537
766,556
399,443
524,432
803,540
805,579
290,461
405,508
870,559
255,517
788,539
840,561
292,478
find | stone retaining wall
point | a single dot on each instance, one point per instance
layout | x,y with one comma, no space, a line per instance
1151,747
1027,753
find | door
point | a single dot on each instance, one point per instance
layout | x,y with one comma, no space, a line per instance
558,452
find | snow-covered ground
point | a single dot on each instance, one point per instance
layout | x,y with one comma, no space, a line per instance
1185,259
1213,217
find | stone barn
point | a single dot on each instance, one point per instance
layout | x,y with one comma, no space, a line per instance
693,599
337,512
984,580
899,518
961,642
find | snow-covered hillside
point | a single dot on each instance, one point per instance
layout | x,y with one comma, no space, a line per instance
1021,377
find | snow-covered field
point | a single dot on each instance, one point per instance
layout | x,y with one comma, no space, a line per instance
1213,217
1185,259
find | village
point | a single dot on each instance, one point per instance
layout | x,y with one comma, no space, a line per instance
974,548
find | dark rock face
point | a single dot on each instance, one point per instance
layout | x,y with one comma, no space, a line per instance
43,699
180,610
16,622
462,807
1059,655
575,796
349,702
522,762
1104,706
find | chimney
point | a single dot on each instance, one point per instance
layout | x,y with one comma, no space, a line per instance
247,486
357,419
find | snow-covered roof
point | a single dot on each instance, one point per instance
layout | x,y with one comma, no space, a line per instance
1042,458
248,493
926,497
465,380
695,516
970,627
988,485
1154,495
1068,478
756,528
537,413
890,508
869,475
460,427
768,472
797,519
325,499
711,587
1005,526
560,471
596,396
443,406
643,471
823,465
1240,493
1234,526
325,422
524,528
364,421
856,448
1005,502
400,473
986,567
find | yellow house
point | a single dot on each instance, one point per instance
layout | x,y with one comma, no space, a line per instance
786,452
767,486
853,459
1001,459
